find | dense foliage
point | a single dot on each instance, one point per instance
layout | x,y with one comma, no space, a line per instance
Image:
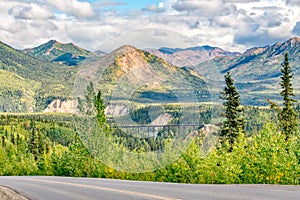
48,145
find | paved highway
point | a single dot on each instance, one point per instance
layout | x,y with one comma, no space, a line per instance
62,188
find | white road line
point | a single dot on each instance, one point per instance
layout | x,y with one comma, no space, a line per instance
107,189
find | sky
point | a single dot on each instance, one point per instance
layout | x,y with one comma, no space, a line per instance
234,25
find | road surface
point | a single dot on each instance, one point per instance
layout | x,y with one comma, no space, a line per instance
63,188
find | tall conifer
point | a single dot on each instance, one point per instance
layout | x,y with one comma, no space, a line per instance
100,109
89,98
288,117
234,122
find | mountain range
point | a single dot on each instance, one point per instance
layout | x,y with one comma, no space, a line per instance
257,70
191,56
33,79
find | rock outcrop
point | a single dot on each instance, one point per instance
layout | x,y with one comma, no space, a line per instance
116,110
59,106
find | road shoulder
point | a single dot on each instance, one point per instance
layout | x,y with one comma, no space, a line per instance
9,194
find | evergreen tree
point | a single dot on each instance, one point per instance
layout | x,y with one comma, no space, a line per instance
288,117
33,145
80,105
100,108
298,107
234,122
89,98
12,138
3,141
18,139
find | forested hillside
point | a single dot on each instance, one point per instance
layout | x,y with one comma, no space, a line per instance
28,82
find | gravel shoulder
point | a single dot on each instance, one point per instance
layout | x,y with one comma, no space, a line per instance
8,194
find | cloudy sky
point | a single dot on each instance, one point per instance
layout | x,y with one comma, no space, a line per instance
106,24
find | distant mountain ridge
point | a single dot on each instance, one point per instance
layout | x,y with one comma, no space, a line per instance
68,54
191,56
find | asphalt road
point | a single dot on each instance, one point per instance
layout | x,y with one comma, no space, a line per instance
62,188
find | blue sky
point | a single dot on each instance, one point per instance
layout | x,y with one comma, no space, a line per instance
126,4
233,25
138,4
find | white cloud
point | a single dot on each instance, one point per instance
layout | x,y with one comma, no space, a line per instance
203,7
228,21
31,11
77,8
296,29
154,8
292,2
230,24
240,1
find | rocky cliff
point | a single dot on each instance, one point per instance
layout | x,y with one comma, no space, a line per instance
59,106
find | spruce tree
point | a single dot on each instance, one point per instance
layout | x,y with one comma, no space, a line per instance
33,145
288,116
80,105
234,122
3,141
89,98
100,108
